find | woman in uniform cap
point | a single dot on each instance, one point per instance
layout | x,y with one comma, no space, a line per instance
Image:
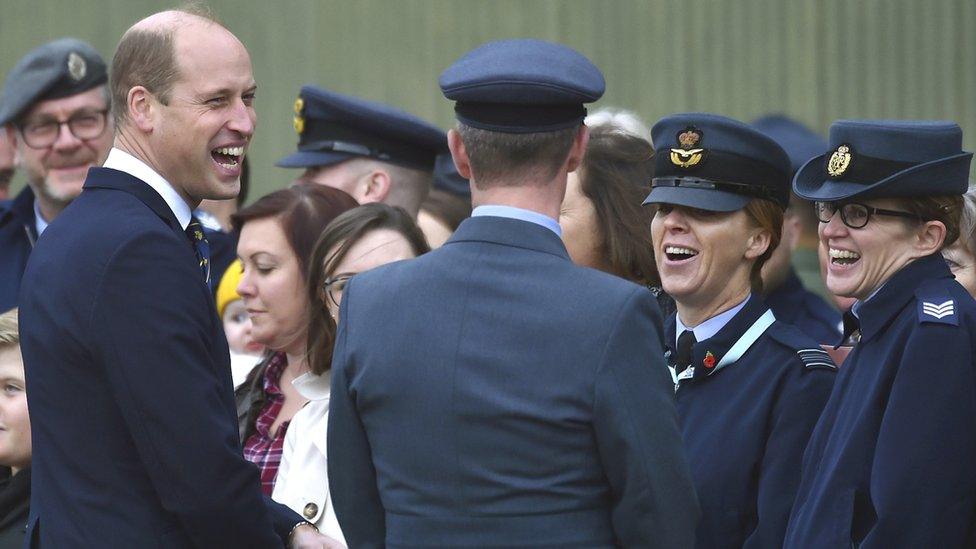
890,463
749,388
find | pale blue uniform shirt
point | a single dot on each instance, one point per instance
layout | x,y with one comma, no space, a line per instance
512,212
709,327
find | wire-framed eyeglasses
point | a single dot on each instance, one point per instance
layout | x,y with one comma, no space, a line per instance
84,125
333,287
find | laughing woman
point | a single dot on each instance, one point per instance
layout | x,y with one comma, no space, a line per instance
890,464
749,388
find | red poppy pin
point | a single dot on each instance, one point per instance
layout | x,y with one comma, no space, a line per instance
709,360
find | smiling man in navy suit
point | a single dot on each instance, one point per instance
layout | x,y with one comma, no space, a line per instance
134,426
491,393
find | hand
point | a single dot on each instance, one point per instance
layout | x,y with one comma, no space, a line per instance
307,537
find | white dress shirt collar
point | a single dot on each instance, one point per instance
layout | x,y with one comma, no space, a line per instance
125,162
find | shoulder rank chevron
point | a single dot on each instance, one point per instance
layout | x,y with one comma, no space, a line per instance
941,312
816,358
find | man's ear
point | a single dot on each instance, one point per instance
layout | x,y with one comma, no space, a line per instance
459,153
578,149
141,108
14,142
757,244
374,186
929,238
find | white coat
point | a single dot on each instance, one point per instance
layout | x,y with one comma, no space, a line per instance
303,475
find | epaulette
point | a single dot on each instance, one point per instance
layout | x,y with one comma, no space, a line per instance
936,305
814,359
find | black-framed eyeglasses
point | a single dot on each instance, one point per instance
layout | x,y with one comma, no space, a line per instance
854,214
85,125
333,286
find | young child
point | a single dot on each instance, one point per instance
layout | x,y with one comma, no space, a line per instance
244,352
15,435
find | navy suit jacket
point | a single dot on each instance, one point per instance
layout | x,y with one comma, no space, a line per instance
18,232
132,411
493,394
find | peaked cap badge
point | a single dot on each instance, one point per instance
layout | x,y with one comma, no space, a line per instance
838,162
688,155
77,68
299,120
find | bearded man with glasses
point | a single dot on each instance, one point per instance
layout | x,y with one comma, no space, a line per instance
55,110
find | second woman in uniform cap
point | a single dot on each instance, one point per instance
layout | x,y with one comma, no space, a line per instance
749,389
890,464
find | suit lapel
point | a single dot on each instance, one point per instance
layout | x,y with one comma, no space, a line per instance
107,178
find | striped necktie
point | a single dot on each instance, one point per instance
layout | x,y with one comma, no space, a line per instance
200,245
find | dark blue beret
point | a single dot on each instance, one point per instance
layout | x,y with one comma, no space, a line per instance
714,163
57,69
447,178
333,128
887,158
522,86
800,142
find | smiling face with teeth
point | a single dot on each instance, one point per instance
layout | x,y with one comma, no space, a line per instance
199,137
861,260
705,258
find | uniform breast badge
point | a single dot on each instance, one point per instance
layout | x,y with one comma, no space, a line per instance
838,162
688,155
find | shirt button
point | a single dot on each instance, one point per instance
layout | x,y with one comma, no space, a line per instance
310,511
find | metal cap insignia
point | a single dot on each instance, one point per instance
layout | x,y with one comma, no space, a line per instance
688,156
299,120
838,162
77,67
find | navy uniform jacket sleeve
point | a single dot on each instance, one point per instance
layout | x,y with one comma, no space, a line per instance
152,336
637,434
797,410
352,477
922,484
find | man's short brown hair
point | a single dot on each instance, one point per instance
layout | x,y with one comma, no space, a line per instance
511,159
147,58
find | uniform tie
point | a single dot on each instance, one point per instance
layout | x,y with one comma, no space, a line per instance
682,354
200,245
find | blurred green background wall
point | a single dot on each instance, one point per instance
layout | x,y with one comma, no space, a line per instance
814,60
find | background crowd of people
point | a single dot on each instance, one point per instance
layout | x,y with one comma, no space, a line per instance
609,345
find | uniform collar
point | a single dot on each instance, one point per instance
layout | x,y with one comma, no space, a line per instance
39,222
707,354
125,162
512,212
509,232
711,326
875,313
21,206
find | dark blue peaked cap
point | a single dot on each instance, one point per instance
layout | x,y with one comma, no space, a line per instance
333,128
800,142
522,86
714,163
61,68
887,158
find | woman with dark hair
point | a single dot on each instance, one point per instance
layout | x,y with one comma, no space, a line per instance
890,463
749,387
604,225
361,239
277,234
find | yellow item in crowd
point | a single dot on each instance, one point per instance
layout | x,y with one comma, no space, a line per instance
227,291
